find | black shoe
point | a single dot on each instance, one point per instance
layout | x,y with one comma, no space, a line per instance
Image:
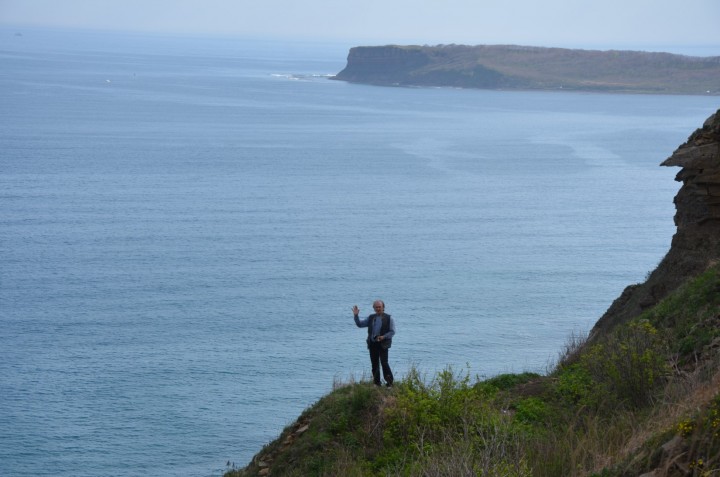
389,385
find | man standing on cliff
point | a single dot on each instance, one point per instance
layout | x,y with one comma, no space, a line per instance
381,329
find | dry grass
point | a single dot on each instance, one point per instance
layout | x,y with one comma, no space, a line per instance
683,397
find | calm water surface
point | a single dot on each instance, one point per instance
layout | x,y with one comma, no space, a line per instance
185,225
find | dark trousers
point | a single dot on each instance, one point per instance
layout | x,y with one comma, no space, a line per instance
379,357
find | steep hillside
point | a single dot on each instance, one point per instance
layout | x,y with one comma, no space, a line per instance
522,67
640,397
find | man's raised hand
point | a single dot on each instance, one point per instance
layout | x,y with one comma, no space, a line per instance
356,310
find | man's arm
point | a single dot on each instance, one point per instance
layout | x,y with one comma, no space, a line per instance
360,323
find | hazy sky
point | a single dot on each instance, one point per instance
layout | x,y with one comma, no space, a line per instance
569,23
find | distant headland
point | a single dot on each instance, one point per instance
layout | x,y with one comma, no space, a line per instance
510,67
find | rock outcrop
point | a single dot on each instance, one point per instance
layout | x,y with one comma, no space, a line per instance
390,65
523,67
696,244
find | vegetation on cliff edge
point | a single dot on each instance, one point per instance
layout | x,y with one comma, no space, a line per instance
643,397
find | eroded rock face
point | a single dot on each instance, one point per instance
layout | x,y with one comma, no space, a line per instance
696,244
699,198
382,65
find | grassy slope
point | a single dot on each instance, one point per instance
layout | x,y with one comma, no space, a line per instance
643,397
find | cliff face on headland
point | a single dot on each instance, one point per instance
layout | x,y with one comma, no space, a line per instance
639,397
696,244
532,68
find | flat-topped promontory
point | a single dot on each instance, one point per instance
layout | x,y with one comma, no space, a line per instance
510,67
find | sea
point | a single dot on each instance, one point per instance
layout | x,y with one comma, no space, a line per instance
186,223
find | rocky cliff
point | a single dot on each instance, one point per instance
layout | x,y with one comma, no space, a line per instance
696,244
521,67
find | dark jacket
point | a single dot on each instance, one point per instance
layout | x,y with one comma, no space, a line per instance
387,329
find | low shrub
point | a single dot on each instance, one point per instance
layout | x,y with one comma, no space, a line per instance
628,365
